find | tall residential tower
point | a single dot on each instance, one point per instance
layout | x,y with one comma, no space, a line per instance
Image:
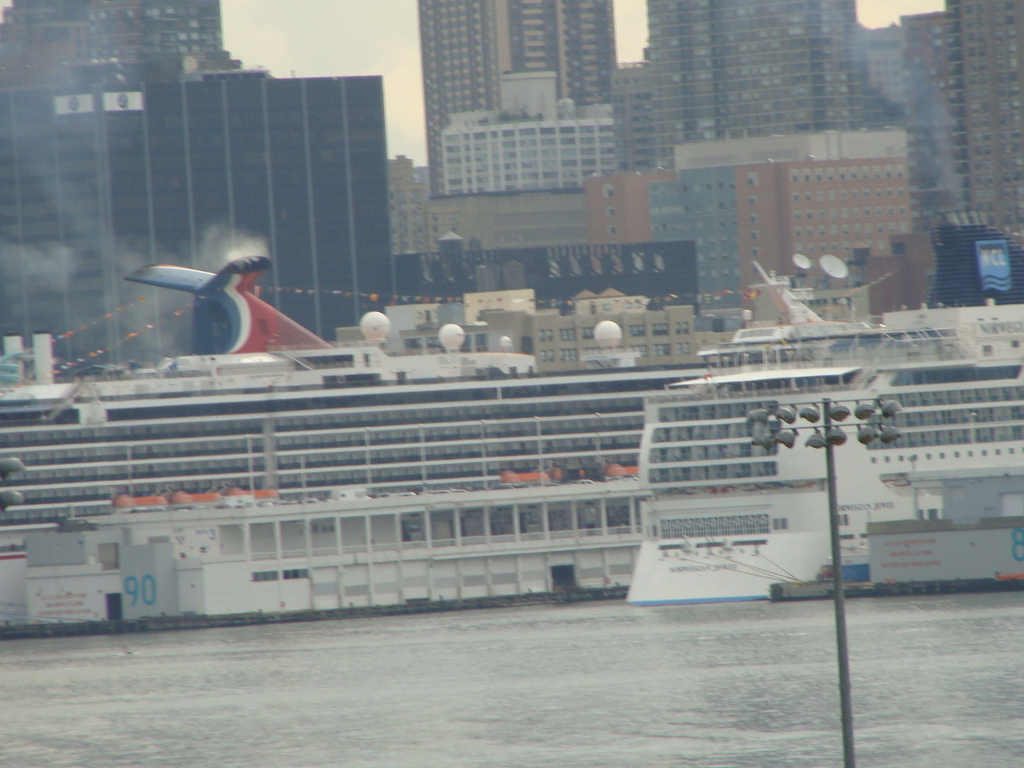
467,44
61,43
985,74
743,68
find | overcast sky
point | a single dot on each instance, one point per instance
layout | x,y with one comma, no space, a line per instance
317,38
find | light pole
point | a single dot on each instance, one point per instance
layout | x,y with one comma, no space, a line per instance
873,418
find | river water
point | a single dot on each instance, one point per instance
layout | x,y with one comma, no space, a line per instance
937,682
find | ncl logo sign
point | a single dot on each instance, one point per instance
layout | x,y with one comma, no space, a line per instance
993,264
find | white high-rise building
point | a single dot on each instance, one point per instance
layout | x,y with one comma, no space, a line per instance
534,142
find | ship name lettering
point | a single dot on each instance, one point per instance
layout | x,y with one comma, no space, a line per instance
700,568
1004,326
867,507
911,564
908,542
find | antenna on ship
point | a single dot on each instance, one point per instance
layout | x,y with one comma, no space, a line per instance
833,266
784,300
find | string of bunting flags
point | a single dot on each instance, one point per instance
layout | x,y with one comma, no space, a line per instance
65,365
93,323
398,299
707,298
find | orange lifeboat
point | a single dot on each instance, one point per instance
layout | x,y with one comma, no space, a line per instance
124,501
202,498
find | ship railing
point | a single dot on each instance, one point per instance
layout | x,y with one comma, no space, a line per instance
577,534
814,353
710,393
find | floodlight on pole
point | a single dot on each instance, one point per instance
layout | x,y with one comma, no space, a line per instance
758,415
890,434
839,412
10,466
786,414
835,436
866,434
864,411
810,413
786,437
815,440
763,439
828,436
890,408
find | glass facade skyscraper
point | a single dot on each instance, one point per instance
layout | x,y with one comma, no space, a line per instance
94,185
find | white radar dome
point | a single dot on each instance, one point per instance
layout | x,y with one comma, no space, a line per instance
505,343
607,333
375,326
451,337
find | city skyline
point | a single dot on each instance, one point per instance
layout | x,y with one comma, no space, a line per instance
317,43
262,32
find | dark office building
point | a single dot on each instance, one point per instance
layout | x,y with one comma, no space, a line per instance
95,185
557,272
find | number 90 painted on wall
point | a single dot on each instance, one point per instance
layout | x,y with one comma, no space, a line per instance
141,589
1018,544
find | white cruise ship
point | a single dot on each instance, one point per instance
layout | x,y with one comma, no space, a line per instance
275,442
727,518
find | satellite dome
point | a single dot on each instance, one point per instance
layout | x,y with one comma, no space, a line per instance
505,343
375,326
451,337
607,333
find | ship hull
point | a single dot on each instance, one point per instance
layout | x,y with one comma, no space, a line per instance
733,569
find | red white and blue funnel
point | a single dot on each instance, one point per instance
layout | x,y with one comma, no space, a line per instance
226,316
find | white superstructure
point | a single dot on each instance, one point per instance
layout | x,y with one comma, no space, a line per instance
389,477
727,518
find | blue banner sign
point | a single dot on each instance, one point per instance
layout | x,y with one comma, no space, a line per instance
993,264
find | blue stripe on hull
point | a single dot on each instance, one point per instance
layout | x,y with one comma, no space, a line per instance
695,600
